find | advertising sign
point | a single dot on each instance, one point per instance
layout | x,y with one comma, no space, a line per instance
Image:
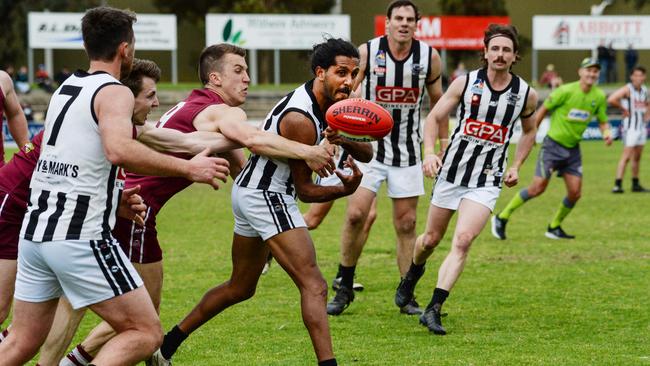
275,32
449,32
564,32
63,31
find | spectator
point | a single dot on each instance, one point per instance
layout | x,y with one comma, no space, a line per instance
611,75
603,60
22,81
460,71
43,79
62,75
550,78
631,59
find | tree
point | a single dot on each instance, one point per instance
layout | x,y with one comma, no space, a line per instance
13,43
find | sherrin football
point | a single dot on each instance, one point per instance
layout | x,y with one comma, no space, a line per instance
359,119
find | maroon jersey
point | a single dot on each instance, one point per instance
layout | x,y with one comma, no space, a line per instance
15,176
2,138
158,190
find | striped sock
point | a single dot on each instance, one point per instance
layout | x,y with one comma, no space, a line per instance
4,335
77,357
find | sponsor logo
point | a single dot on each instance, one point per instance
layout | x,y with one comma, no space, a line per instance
380,58
485,131
476,99
477,86
379,71
417,69
57,168
493,103
230,36
363,114
513,98
578,115
561,34
395,94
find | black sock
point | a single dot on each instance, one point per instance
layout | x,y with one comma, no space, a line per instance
635,182
416,270
439,297
347,275
330,362
172,341
618,182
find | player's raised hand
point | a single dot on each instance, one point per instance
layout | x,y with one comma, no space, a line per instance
333,136
608,140
319,159
132,206
511,178
430,165
350,182
205,169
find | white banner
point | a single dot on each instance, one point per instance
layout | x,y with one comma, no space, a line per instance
63,31
558,32
275,32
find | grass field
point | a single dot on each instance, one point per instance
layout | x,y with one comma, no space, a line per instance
526,301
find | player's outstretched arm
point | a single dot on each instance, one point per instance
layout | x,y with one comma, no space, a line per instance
231,122
16,120
169,140
526,141
115,127
297,127
436,120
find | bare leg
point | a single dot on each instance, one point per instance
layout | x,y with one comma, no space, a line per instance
294,251
64,327
636,160
7,280
316,213
622,163
472,217
139,333
30,324
573,185
152,276
248,258
404,220
437,222
359,204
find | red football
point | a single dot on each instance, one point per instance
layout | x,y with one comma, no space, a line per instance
359,119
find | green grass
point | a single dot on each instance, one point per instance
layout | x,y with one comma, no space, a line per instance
525,301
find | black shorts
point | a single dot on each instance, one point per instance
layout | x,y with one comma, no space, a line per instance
555,157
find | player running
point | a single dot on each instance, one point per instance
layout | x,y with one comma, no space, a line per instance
573,105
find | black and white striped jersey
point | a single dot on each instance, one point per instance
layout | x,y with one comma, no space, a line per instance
274,175
75,190
636,104
478,151
398,86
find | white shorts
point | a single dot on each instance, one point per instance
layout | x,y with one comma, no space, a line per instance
634,137
87,272
448,195
402,182
264,214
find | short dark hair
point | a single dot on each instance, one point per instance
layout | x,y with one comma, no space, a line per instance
638,68
324,54
399,4
501,30
210,59
141,69
104,29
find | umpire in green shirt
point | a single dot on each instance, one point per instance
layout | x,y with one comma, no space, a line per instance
573,106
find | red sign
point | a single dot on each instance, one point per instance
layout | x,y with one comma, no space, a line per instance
485,131
396,94
449,32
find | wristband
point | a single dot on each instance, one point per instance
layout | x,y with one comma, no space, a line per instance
607,133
